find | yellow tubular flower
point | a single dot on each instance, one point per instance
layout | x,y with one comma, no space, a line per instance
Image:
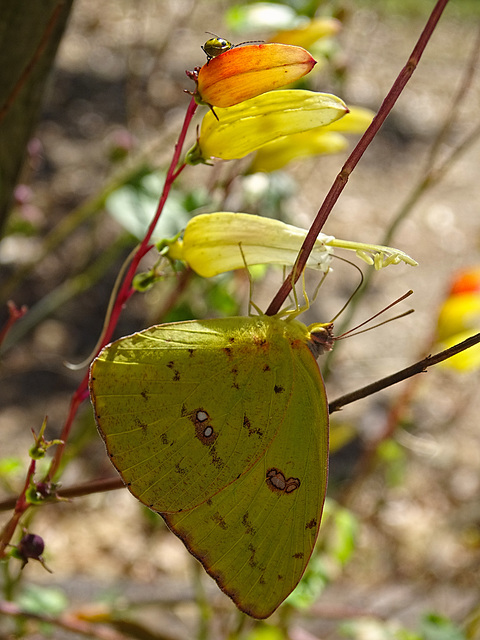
459,313
211,243
245,72
357,120
217,242
249,125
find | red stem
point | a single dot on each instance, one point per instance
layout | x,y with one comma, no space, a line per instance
21,506
126,289
352,161
123,295
14,314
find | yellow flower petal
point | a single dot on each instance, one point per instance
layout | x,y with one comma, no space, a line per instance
277,154
321,140
245,72
211,243
247,126
357,120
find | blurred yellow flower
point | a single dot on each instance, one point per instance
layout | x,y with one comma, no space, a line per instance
307,34
459,319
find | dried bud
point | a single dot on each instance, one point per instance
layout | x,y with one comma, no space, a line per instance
31,546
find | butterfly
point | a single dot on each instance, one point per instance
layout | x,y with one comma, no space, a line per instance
221,427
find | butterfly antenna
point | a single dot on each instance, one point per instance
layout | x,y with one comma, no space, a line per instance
350,332
248,42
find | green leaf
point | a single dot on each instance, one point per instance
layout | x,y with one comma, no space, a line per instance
43,600
437,627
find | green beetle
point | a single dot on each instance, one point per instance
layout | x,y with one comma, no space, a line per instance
215,46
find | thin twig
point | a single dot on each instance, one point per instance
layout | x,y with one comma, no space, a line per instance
124,294
404,374
14,314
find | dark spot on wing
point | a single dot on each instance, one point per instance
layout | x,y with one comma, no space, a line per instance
218,519
251,561
180,470
249,529
252,431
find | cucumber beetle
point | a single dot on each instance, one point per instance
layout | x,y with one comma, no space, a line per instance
215,46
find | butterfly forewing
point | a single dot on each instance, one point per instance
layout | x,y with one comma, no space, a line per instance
187,408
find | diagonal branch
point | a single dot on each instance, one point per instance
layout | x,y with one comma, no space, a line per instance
352,161
404,374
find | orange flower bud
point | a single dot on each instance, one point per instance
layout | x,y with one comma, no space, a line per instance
245,72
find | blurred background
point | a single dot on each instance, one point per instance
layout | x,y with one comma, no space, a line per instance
400,549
